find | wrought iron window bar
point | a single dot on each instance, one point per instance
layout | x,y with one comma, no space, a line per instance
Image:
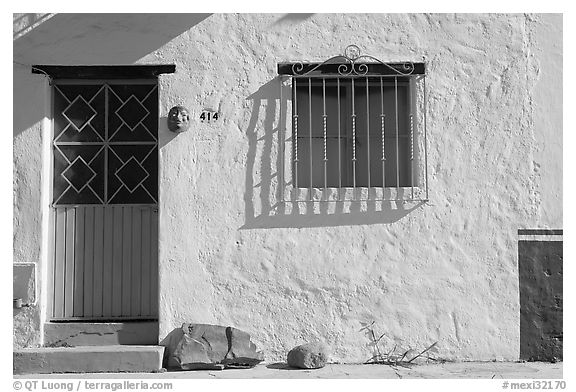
352,75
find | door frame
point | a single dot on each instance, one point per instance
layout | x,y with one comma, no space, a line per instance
52,208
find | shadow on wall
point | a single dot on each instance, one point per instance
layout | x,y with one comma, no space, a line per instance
165,136
75,39
22,23
85,39
262,197
292,18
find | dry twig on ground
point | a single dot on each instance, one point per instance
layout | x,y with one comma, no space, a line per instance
392,357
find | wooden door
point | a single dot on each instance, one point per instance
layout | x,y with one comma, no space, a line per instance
105,192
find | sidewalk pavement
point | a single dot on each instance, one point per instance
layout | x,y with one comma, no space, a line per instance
448,370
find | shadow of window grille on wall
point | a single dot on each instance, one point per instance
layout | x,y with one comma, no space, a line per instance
105,143
358,130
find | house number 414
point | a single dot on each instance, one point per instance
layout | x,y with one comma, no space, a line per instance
208,116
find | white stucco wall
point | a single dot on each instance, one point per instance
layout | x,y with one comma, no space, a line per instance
445,271
28,115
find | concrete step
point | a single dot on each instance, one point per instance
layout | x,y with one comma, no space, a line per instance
139,333
88,359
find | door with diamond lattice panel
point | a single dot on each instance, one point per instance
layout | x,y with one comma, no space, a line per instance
104,200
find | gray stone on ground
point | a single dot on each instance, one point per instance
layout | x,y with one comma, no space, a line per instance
311,355
209,347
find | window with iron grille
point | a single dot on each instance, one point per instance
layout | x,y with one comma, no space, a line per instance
358,125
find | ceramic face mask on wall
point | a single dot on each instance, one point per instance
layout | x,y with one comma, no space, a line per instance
178,119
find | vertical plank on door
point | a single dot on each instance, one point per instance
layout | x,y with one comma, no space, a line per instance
88,261
126,275
78,301
109,233
146,251
51,291
154,264
99,256
135,295
59,258
116,297
69,272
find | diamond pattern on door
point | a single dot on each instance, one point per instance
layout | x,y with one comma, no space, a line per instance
79,113
79,174
105,144
134,111
132,174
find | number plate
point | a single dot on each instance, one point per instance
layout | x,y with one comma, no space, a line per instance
209,116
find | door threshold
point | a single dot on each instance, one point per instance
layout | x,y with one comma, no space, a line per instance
100,333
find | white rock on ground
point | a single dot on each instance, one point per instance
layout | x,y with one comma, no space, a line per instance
312,355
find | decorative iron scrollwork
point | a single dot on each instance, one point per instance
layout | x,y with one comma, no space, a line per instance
354,63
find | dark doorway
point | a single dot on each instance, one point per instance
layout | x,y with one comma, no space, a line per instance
540,275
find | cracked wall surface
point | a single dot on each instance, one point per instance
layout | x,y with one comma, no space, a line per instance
445,271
